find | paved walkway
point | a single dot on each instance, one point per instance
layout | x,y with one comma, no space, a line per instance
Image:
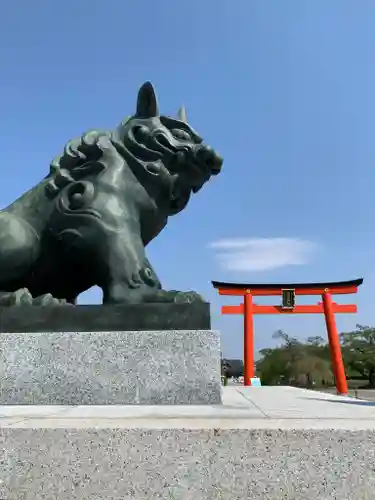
243,408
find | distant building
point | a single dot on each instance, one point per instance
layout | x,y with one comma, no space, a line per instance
232,367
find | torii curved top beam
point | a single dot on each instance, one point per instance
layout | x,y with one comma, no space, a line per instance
335,287
272,286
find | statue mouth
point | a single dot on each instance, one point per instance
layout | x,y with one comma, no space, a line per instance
194,168
201,158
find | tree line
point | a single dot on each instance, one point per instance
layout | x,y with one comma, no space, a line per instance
308,363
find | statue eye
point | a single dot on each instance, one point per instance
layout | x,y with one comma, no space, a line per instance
140,133
181,134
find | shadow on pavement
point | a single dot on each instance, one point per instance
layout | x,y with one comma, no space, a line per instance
357,402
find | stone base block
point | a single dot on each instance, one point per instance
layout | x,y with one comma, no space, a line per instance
265,443
110,368
186,464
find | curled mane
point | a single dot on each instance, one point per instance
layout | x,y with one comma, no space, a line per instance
66,168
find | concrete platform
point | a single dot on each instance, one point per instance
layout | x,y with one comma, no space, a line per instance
243,407
263,442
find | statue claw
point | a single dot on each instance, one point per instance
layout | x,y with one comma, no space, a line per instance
23,297
187,297
175,296
48,300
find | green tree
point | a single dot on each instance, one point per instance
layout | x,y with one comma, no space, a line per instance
289,342
274,367
316,341
359,352
295,362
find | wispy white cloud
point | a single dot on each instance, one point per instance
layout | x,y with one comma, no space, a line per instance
262,254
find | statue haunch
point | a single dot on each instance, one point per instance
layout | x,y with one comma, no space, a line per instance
106,197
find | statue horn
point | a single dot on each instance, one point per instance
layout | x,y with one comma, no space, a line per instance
182,114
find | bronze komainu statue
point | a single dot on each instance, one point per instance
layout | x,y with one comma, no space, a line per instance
106,197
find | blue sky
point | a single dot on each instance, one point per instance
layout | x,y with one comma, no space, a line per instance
284,89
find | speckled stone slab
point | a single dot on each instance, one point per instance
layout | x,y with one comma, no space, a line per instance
110,368
268,443
186,464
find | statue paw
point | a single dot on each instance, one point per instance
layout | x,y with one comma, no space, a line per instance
175,296
187,297
48,300
23,297
20,297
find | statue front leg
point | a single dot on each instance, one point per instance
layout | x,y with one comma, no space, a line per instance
144,287
130,278
126,275
158,294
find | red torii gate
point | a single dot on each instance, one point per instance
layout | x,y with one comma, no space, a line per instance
288,293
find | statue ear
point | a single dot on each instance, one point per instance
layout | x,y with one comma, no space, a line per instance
147,102
182,114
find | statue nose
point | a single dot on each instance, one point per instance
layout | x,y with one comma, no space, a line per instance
210,159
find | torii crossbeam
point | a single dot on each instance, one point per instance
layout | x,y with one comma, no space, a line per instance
288,292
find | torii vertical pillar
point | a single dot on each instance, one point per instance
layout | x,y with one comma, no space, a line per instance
248,338
334,344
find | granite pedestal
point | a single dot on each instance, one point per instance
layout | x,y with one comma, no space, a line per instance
110,368
132,354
